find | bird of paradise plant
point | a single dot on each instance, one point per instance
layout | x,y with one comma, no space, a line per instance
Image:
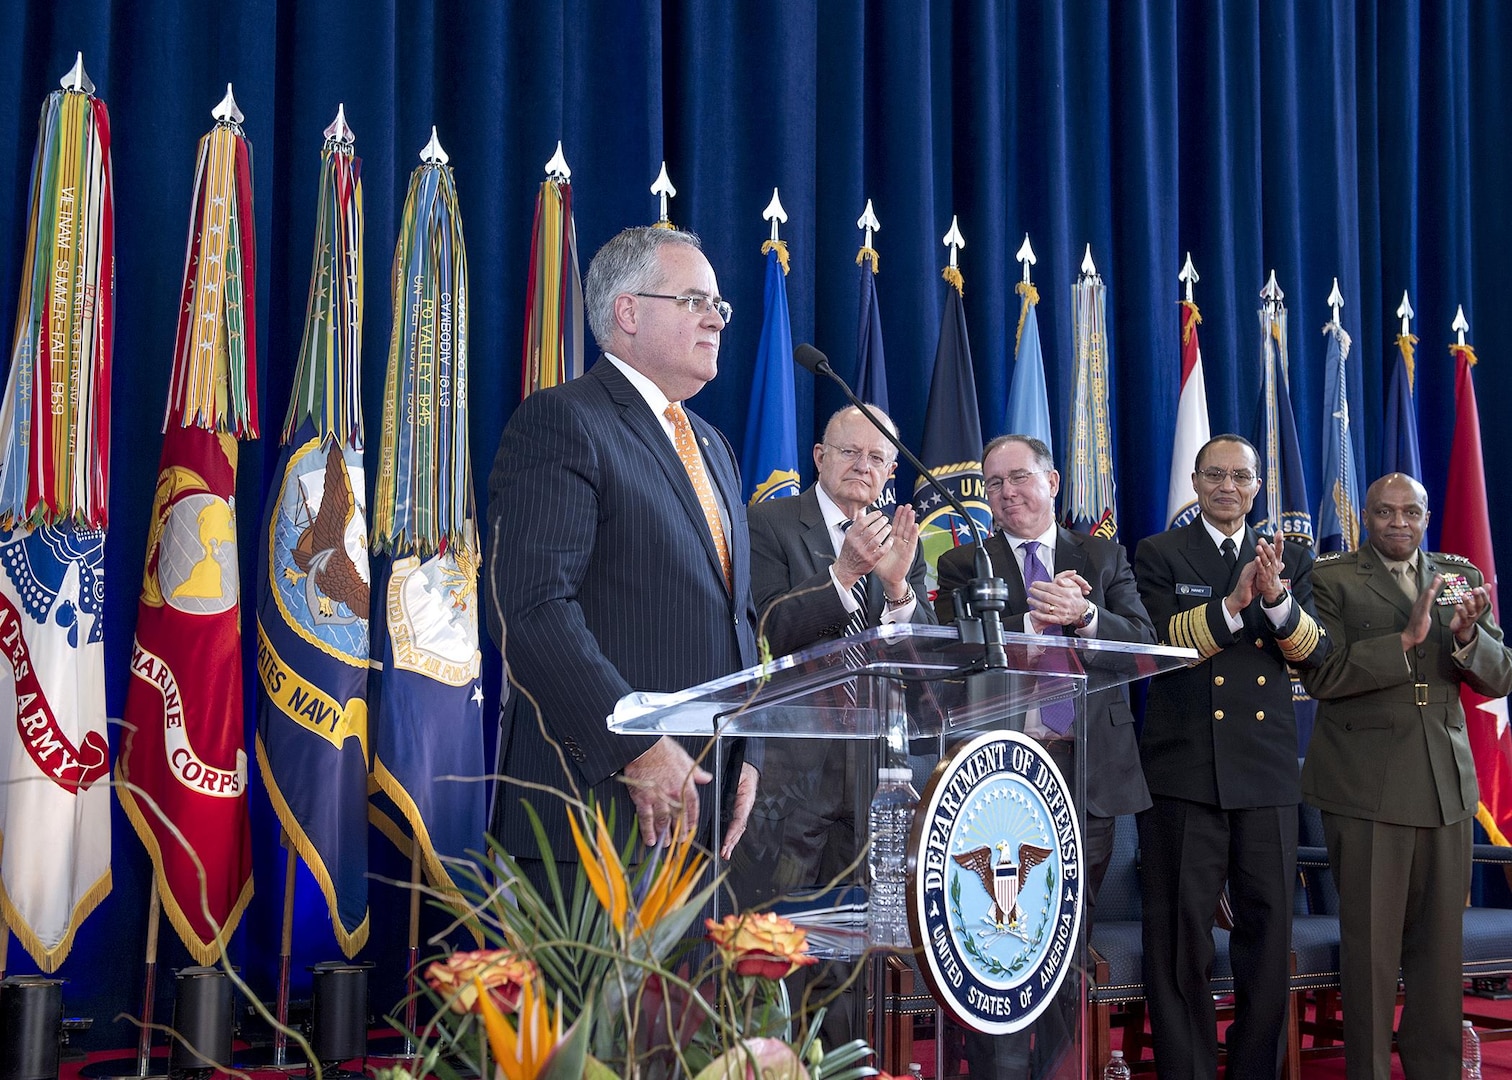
635,994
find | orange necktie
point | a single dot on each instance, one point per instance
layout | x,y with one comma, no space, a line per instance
687,450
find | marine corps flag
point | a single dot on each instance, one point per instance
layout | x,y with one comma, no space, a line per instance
952,437
182,770
1466,531
1090,498
54,478
313,590
425,692
769,466
871,361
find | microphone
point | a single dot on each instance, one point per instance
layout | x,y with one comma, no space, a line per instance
987,595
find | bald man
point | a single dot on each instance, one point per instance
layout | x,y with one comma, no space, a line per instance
1390,767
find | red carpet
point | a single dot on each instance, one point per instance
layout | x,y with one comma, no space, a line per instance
1496,1055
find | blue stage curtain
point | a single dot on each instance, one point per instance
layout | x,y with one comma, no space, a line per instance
1337,138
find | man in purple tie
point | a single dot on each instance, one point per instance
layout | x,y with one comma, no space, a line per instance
1059,582
1220,755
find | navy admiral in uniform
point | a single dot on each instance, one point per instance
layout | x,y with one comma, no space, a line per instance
619,553
1390,767
1220,755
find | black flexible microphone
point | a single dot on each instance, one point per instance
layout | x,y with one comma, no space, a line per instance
988,595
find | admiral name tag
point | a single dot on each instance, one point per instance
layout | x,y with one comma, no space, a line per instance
1183,589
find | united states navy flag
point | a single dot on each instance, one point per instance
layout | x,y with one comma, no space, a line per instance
313,584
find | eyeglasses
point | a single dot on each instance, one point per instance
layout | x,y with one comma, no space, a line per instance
697,303
1017,478
850,455
1216,476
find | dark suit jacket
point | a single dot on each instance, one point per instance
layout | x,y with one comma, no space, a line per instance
1115,784
607,580
791,553
1223,733
1371,733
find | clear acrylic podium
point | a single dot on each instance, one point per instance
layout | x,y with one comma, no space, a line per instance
828,718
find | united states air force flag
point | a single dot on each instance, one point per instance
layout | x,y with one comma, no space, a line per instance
426,693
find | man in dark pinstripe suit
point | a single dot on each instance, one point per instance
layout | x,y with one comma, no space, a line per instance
615,564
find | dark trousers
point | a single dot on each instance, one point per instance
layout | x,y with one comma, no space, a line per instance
1401,905
1187,851
1039,1050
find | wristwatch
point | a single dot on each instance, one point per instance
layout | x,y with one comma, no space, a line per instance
1086,620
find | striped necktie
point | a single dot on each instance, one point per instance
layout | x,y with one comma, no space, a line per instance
859,619
687,450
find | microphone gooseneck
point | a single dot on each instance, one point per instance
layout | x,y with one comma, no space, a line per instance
979,605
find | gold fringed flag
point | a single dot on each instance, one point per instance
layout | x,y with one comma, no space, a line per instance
54,473
182,770
426,694
313,579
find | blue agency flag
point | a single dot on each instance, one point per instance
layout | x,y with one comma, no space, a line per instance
769,466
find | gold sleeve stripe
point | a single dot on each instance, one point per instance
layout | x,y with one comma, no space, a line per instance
1303,640
1189,629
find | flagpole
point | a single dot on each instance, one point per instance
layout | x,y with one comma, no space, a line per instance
285,958
412,954
105,1070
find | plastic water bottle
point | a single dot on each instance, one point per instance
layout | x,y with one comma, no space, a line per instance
1470,1053
1116,1068
891,816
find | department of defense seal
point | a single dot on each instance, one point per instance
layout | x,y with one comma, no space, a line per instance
996,882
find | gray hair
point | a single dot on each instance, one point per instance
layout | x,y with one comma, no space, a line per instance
1037,447
629,263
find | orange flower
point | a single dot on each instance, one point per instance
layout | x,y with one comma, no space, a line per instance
499,972
524,1053
602,866
672,882
766,945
